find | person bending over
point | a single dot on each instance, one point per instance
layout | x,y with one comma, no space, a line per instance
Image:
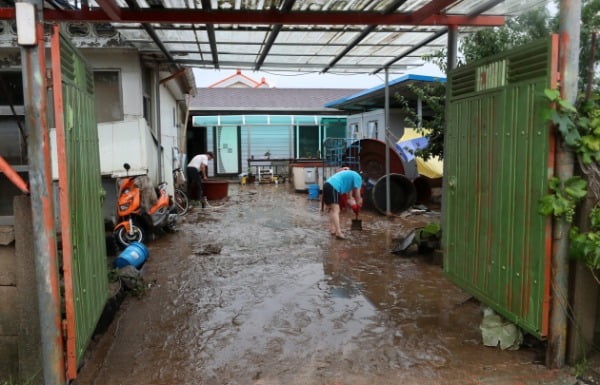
343,182
197,171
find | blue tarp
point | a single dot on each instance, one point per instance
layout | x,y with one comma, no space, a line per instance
407,148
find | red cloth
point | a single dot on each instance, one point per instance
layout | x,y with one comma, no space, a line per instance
344,201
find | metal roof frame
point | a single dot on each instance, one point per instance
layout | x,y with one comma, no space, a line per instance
353,36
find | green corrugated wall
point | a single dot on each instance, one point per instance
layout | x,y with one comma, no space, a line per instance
497,163
90,280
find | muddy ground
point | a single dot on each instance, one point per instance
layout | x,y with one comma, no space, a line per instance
256,291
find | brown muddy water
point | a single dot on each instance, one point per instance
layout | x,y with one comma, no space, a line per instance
256,291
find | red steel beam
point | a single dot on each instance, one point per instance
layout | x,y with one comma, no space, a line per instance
173,76
432,8
13,176
547,293
111,8
198,16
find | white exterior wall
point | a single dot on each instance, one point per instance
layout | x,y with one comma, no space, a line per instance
362,121
124,142
128,63
132,140
170,129
396,124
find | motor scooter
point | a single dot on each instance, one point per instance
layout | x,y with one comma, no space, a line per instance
135,223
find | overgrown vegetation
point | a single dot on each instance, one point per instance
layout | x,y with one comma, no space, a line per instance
564,198
517,31
580,131
28,381
531,26
528,27
429,238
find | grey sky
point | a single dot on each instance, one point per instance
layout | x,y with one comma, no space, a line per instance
204,78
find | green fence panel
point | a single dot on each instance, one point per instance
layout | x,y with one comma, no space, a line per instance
497,161
90,280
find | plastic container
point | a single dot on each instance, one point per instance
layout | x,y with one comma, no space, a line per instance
216,189
402,194
313,191
135,254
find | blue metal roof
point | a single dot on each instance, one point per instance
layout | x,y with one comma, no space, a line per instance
372,98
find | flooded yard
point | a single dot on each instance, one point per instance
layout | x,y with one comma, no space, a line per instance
256,291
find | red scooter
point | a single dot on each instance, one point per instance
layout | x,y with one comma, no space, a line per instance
135,223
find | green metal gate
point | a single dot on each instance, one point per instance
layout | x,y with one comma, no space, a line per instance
499,154
83,246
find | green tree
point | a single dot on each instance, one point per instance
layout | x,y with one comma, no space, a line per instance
518,30
431,125
590,26
534,25
486,42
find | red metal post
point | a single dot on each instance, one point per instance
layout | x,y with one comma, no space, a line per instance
547,303
12,175
65,212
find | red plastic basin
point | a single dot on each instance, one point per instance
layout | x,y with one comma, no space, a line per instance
215,189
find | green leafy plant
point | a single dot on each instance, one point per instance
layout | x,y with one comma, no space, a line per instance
564,197
27,381
582,367
580,129
432,229
586,246
428,238
432,124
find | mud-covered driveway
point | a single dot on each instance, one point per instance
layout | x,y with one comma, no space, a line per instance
257,292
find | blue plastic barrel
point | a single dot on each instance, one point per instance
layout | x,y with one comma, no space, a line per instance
313,191
135,254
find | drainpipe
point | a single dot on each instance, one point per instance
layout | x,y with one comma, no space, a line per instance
33,63
386,118
568,61
188,120
157,114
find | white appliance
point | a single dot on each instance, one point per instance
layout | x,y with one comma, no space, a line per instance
304,175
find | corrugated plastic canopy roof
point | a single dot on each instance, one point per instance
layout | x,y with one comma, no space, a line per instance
345,36
374,98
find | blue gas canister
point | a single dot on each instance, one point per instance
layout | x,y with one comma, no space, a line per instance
135,254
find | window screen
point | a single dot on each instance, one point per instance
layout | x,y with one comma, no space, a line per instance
109,104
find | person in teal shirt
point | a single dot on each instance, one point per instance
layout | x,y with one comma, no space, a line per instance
343,182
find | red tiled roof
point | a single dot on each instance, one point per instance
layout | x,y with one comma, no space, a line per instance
238,76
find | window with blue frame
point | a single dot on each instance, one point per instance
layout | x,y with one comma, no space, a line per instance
280,136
